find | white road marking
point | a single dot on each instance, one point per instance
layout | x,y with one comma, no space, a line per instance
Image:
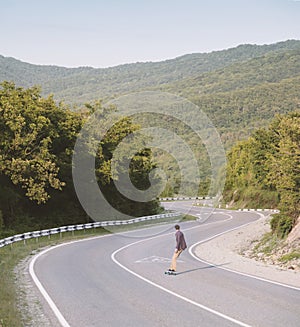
63,321
41,288
231,270
156,259
217,313
47,297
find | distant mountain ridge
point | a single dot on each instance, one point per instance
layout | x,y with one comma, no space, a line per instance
240,89
83,84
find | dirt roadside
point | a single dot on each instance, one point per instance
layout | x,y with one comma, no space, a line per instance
228,248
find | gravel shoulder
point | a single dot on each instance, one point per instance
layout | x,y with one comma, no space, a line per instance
32,306
228,247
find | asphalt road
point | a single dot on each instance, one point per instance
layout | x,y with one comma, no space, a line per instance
119,280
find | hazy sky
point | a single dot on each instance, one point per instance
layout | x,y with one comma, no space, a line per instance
106,33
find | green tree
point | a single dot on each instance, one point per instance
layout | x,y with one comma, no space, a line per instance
36,142
284,163
104,147
25,142
265,169
36,149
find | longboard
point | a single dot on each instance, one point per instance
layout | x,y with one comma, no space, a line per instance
171,272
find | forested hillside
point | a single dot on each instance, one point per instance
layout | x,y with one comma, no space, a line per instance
79,85
240,89
36,146
244,96
264,171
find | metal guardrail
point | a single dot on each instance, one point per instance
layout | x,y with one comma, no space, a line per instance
187,198
271,210
71,228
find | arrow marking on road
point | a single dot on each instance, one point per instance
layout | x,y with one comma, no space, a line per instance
155,259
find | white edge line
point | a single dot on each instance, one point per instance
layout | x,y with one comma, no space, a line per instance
235,271
41,288
63,321
46,296
113,257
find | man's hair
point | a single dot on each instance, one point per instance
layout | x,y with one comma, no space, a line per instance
177,227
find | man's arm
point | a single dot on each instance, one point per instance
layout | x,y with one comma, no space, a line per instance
178,235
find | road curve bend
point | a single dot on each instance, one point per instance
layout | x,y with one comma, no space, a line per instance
119,280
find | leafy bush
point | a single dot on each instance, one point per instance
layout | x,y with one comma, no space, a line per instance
264,171
281,225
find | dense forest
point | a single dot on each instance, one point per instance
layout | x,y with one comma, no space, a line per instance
36,146
245,96
264,171
84,84
241,89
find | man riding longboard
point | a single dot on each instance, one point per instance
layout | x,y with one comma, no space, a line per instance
180,246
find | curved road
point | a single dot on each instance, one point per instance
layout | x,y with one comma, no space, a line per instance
119,280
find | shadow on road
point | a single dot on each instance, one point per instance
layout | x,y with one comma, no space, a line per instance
206,267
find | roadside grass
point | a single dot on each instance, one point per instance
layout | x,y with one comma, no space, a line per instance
268,243
11,255
290,256
271,244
